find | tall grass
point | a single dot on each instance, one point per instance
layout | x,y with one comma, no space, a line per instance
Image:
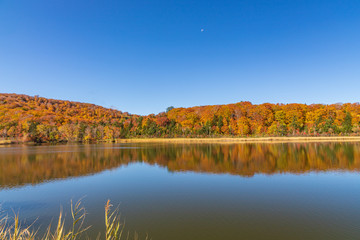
114,227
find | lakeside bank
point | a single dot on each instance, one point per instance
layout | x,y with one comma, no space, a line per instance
223,140
241,140
6,142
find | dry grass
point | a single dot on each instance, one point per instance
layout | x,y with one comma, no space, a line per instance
228,140
242,140
4,142
114,227
15,231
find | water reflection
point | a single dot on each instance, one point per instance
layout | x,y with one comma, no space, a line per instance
21,165
159,196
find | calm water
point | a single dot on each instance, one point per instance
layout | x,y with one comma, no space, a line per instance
192,191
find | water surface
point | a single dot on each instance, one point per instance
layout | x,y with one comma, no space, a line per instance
193,191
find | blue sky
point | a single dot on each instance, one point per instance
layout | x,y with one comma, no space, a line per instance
142,56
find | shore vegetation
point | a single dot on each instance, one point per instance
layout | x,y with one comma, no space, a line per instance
36,119
12,229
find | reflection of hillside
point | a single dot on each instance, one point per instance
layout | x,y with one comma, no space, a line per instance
32,165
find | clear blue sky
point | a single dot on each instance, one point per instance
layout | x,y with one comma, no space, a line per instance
142,56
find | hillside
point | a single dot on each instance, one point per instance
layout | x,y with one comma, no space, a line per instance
25,118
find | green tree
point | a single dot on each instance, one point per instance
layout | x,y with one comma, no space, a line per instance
281,128
169,109
347,125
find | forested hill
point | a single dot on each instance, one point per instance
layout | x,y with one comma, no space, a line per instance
26,118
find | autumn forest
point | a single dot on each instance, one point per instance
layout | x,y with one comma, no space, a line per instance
36,119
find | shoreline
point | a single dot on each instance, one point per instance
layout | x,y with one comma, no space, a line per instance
223,140
7,142
242,140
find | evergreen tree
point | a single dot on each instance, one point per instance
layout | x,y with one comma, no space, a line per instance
347,125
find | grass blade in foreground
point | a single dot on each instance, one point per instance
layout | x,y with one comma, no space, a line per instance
114,227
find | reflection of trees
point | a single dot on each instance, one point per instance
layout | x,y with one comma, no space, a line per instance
39,164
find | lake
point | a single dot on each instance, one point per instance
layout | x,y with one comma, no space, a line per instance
191,191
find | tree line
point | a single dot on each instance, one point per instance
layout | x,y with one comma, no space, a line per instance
26,118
